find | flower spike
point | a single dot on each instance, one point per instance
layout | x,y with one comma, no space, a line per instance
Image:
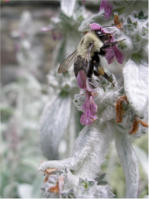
107,7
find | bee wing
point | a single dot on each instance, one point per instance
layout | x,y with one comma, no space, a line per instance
67,62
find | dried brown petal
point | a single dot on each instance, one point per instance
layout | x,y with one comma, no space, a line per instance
143,123
119,108
135,127
46,178
117,22
50,170
54,189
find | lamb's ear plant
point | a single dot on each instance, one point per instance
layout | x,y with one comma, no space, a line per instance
110,111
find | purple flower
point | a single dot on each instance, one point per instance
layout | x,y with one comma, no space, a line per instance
81,79
107,7
114,52
110,55
95,26
89,107
89,110
118,54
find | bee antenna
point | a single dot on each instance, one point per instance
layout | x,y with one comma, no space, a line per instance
115,42
120,40
110,44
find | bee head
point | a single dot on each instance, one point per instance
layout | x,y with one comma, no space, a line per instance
103,36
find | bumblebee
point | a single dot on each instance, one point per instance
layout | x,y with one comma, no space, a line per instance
87,55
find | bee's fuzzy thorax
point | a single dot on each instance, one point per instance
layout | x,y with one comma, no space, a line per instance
83,46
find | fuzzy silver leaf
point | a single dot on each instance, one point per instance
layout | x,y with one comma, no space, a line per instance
54,123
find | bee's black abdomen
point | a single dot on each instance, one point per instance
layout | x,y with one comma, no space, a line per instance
94,62
90,70
95,59
96,73
102,52
95,56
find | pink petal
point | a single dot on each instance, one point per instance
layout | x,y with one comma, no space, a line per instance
84,120
93,106
109,55
95,26
114,52
89,105
118,54
90,88
81,79
89,111
107,7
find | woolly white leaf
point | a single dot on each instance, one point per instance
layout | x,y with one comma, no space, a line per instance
88,155
54,122
129,162
67,7
89,151
142,157
136,86
25,190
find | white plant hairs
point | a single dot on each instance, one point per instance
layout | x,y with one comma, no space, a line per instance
79,175
93,141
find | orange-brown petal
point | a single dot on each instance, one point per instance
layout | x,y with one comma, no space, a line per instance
50,170
119,108
117,22
135,127
143,123
54,189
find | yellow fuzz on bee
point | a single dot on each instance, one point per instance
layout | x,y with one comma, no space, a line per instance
101,70
89,38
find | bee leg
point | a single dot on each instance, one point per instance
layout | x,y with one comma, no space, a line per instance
100,71
109,78
103,49
96,73
108,45
119,108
